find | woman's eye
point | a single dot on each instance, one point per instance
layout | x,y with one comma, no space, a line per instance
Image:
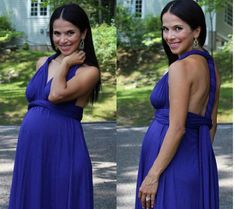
56,33
178,28
70,33
164,28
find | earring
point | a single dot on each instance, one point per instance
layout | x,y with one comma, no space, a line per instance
195,44
81,45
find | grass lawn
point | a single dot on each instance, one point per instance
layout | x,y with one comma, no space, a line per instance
16,70
134,108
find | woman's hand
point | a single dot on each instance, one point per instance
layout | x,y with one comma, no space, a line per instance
147,191
77,57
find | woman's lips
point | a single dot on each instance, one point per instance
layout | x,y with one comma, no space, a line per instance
173,45
65,48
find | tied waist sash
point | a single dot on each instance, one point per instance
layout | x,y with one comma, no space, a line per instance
207,163
193,121
72,111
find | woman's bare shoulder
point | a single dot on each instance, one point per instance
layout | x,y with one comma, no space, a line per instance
40,62
89,71
188,67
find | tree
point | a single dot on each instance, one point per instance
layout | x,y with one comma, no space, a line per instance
211,7
99,11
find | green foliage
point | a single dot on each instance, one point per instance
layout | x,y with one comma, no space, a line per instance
224,60
213,5
104,37
98,11
7,33
136,32
5,23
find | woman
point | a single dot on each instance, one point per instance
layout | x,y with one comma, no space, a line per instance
52,167
177,167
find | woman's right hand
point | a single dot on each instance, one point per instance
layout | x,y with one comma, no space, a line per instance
77,57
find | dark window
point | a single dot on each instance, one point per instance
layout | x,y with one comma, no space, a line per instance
39,8
228,15
138,8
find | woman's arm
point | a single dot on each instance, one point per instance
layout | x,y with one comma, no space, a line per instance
179,92
82,83
215,107
180,83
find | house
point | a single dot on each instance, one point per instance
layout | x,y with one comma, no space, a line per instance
222,21
29,16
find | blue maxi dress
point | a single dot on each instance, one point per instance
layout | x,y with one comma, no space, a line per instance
191,180
52,166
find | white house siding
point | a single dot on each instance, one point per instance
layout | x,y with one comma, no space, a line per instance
222,28
152,7
34,28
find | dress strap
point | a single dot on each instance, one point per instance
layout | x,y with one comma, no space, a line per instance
211,67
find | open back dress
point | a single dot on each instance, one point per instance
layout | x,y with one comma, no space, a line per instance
191,180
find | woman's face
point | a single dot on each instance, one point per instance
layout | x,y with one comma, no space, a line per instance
66,36
178,34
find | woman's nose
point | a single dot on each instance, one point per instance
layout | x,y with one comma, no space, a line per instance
170,35
63,39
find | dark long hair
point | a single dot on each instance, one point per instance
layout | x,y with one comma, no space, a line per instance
191,13
74,14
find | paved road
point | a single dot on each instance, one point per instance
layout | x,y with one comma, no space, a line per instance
115,155
128,149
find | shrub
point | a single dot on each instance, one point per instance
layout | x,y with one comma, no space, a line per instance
135,32
7,33
224,60
104,37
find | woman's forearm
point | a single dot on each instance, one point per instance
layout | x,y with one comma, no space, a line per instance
167,152
59,82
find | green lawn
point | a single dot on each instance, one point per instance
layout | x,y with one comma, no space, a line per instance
134,108
16,70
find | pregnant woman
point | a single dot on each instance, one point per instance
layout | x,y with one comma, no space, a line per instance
52,165
177,167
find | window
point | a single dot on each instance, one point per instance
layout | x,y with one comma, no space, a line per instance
228,15
34,8
39,8
43,8
138,8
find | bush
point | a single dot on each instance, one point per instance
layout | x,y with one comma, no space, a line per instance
7,33
104,37
135,32
224,60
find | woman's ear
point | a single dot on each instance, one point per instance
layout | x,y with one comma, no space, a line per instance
196,32
84,34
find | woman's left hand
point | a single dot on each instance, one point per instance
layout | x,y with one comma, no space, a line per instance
77,57
147,191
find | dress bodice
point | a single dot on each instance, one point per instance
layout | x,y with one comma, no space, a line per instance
38,90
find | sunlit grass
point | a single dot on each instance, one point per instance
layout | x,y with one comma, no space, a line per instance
134,108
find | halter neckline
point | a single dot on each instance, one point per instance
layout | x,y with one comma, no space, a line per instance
203,53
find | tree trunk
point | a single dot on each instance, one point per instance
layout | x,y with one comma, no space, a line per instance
212,33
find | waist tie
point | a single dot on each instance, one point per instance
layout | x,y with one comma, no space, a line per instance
69,111
209,197
193,120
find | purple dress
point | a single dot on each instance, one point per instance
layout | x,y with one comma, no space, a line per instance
52,166
191,180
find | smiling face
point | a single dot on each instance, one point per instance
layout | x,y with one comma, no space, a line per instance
66,36
178,34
